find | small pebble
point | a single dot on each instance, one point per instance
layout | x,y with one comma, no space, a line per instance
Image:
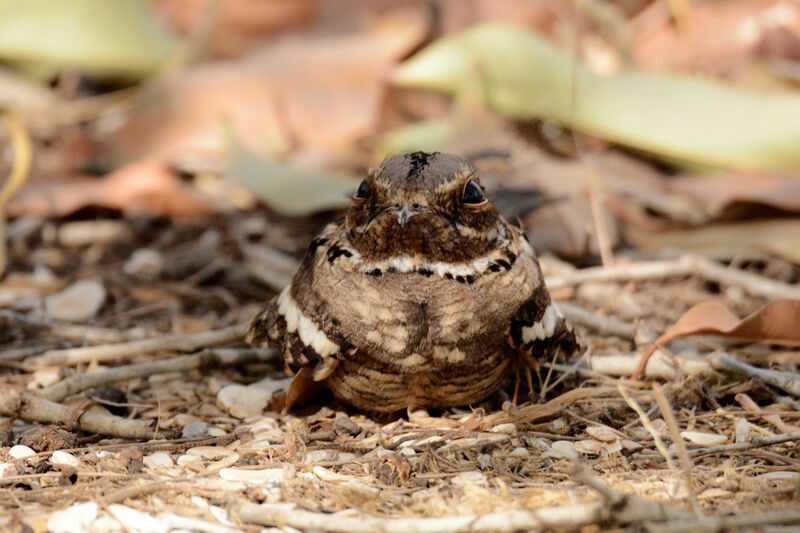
19,451
60,457
508,429
266,476
158,460
408,452
562,449
243,402
134,520
520,452
144,264
85,232
195,430
74,519
77,303
704,439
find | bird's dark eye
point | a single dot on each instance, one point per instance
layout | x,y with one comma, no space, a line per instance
472,194
363,190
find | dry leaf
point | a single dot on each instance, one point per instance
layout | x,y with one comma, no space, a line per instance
776,323
774,236
317,93
146,186
735,194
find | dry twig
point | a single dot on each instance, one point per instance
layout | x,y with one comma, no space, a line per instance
788,381
217,357
683,266
30,407
182,343
672,424
602,325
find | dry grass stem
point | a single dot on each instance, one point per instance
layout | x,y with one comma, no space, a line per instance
680,447
684,266
216,357
110,352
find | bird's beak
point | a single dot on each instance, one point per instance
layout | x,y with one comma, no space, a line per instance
403,216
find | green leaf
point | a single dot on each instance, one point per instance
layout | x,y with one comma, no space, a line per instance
288,190
680,118
98,37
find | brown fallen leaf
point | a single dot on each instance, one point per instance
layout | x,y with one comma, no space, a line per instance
738,195
146,186
777,322
317,93
772,236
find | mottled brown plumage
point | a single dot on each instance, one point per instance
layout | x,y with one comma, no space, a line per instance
422,296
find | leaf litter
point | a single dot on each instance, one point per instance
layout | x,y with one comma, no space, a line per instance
145,411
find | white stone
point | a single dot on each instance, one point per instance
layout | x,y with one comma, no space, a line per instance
562,449
60,457
602,433
77,303
742,430
19,451
144,264
407,452
508,429
85,232
704,439
158,460
186,459
243,402
267,476
520,452
73,519
134,520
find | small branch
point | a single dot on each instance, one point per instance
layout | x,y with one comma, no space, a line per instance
758,442
218,357
570,516
602,325
683,266
10,320
685,460
788,381
32,408
182,343
648,425
728,523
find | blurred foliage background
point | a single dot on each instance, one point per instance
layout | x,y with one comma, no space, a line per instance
664,125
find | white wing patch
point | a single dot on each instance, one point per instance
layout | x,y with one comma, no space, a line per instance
309,334
544,328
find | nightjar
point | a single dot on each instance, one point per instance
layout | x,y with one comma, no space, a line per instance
422,296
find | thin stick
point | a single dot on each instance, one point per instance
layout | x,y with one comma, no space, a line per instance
683,266
728,523
183,343
29,407
217,357
74,332
685,461
570,516
758,442
648,425
788,381
602,325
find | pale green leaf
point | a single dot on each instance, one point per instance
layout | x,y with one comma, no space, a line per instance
681,118
98,37
288,190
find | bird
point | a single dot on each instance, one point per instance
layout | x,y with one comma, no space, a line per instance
422,296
